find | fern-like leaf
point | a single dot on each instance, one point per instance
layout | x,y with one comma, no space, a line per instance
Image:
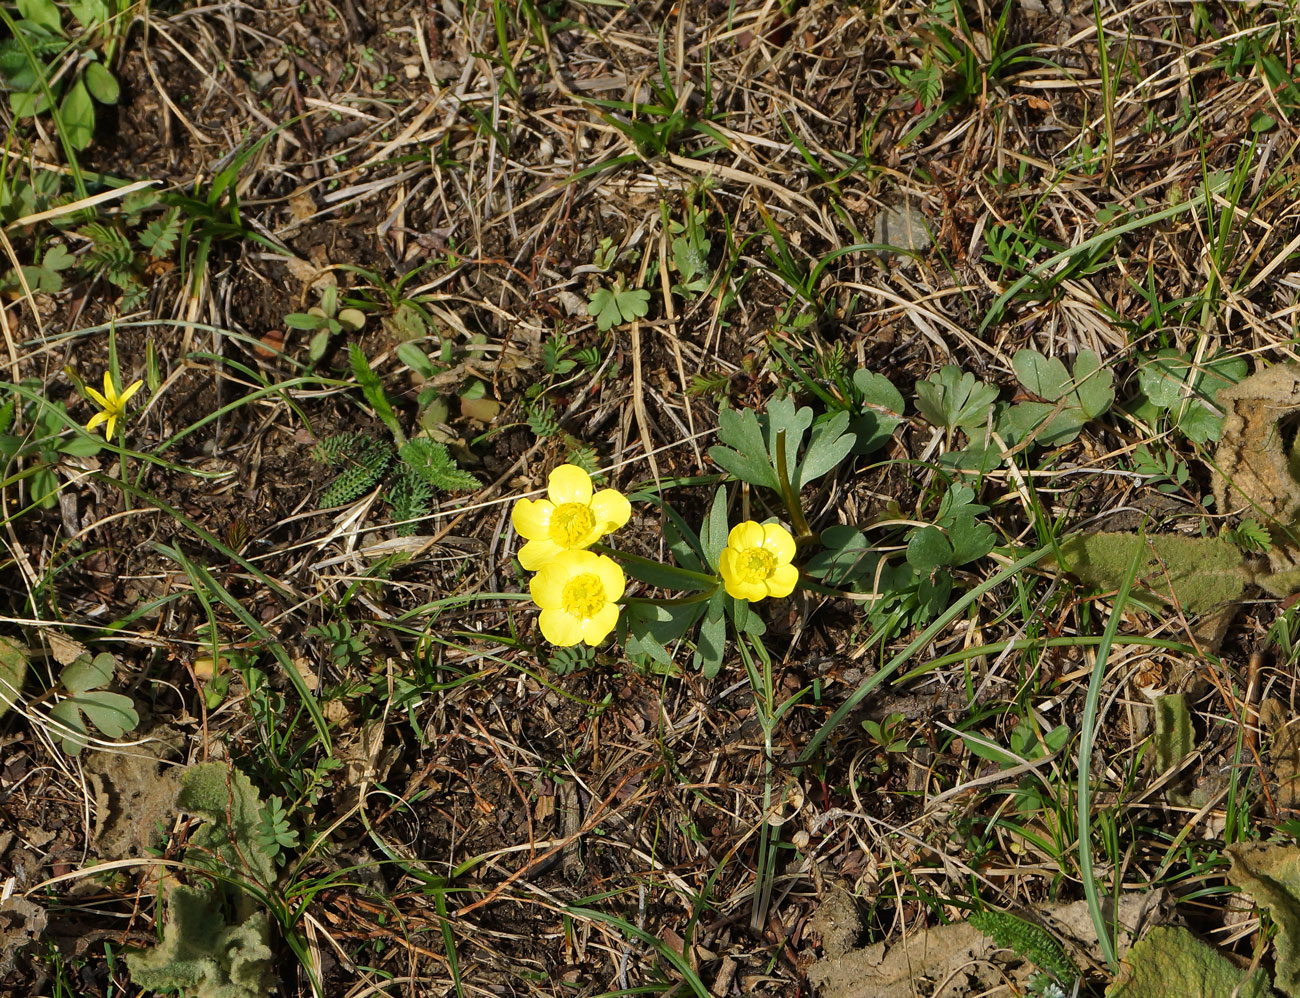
364,464
409,495
1031,941
432,462
159,236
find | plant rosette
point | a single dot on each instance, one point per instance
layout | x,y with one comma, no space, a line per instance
572,517
756,563
578,592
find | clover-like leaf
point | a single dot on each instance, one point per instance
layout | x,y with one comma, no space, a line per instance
111,713
1045,377
1093,384
85,673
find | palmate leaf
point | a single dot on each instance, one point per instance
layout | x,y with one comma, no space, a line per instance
952,399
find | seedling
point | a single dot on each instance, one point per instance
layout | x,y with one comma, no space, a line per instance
325,321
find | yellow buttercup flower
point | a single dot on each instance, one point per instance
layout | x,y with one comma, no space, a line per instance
113,404
578,592
571,518
756,561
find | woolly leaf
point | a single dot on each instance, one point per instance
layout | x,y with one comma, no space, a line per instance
203,955
1271,875
1172,961
13,670
1173,739
226,798
1202,571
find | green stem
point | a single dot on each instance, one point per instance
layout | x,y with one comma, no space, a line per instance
636,559
699,597
803,533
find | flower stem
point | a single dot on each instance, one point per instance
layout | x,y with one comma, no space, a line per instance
699,597
803,533
635,559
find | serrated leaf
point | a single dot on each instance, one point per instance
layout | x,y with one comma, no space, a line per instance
13,670
86,673
101,84
77,113
373,389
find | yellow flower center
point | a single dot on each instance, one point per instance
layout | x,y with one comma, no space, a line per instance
571,524
584,596
755,565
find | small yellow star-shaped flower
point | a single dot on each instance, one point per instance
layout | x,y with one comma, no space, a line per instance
113,404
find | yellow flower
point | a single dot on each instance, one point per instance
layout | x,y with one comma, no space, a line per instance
113,404
578,592
569,519
756,561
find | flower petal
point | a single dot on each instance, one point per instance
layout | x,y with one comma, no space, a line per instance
560,628
782,581
569,483
96,419
746,534
611,577
611,508
110,389
98,399
594,629
131,390
778,540
532,520
538,554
